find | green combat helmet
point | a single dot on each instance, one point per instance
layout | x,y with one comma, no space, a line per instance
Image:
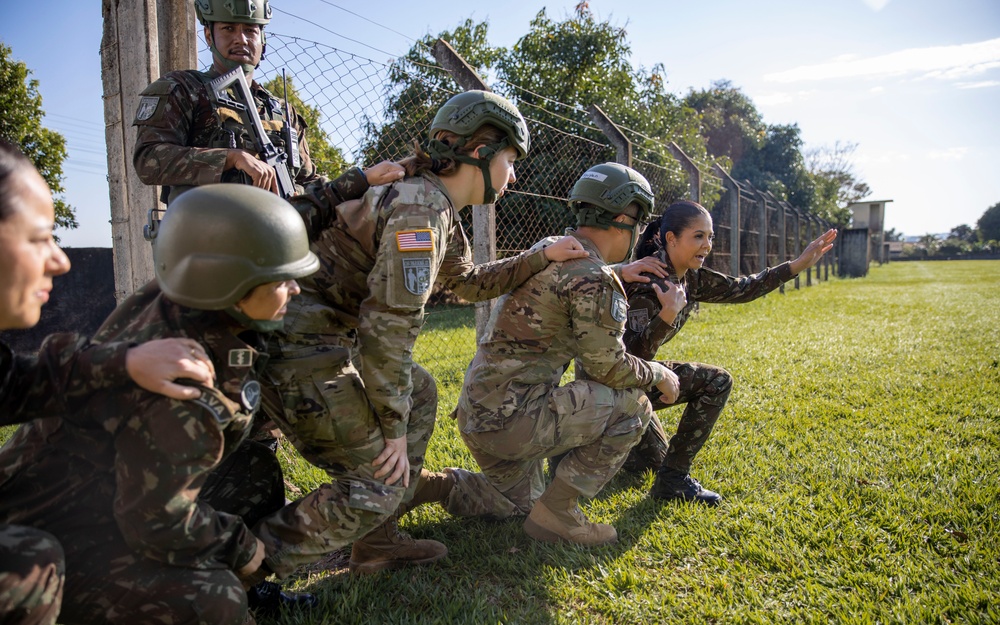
234,12
219,241
463,114
607,190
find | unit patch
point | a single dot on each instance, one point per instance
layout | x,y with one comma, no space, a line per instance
250,395
417,275
215,406
618,307
638,319
240,357
147,106
415,241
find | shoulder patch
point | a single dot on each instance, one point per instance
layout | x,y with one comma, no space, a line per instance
147,106
240,358
215,406
638,319
619,307
415,240
250,395
417,275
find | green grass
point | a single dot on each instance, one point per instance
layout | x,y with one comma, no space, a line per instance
858,456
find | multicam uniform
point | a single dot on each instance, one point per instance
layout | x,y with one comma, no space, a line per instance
704,388
344,364
116,480
513,413
32,570
183,137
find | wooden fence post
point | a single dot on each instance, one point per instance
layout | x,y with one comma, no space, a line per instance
623,147
734,218
691,168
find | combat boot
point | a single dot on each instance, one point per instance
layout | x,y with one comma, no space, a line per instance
557,517
671,484
268,599
432,487
385,547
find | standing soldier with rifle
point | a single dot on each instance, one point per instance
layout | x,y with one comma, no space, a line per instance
186,139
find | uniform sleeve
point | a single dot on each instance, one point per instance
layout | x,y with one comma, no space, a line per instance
478,283
597,313
163,454
65,370
406,266
317,204
161,156
717,288
645,330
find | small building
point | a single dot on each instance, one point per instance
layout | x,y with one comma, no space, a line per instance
863,241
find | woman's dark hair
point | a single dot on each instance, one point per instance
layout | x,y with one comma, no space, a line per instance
11,162
678,217
420,160
675,218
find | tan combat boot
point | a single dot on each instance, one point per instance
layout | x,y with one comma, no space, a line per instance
432,487
557,517
385,547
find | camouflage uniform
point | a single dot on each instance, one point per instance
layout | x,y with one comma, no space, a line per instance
116,480
183,137
513,413
344,366
34,386
704,388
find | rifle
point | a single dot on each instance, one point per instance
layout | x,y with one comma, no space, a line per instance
218,92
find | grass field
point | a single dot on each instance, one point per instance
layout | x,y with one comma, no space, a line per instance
858,456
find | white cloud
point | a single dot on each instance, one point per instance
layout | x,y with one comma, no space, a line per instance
944,62
876,5
783,97
947,154
978,85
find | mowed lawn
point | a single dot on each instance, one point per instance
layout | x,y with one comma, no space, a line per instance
858,456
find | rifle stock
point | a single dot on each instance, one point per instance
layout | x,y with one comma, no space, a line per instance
218,90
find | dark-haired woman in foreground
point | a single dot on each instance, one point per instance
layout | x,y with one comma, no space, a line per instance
682,238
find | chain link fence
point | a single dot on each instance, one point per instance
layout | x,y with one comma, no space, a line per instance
369,111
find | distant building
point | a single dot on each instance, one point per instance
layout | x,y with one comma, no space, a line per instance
864,241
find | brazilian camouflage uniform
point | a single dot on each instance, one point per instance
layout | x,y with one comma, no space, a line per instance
116,480
183,137
704,388
344,361
513,413
33,386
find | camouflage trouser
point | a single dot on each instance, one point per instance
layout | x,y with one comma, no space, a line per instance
325,413
595,426
248,483
31,576
705,389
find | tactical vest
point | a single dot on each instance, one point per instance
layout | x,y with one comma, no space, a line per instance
231,133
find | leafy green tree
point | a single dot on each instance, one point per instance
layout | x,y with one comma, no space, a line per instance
730,122
328,159
964,233
989,224
836,185
892,235
21,123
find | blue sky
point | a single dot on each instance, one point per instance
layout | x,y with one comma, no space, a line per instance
915,83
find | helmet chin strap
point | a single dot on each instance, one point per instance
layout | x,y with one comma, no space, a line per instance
230,64
441,149
635,236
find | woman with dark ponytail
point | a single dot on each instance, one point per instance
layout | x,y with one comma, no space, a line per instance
682,238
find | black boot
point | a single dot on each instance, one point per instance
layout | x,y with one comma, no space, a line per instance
671,484
268,599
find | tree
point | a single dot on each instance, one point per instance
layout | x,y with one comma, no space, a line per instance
964,233
21,124
328,159
989,224
836,184
892,235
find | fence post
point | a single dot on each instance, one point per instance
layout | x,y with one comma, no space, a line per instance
689,166
484,216
764,227
734,218
782,237
623,147
140,41
797,247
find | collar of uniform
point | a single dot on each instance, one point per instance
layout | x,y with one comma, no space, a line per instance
436,181
213,73
587,244
671,272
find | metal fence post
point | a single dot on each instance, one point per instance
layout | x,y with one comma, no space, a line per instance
623,147
734,219
694,174
797,246
762,244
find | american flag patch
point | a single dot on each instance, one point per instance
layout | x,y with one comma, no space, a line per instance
415,241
